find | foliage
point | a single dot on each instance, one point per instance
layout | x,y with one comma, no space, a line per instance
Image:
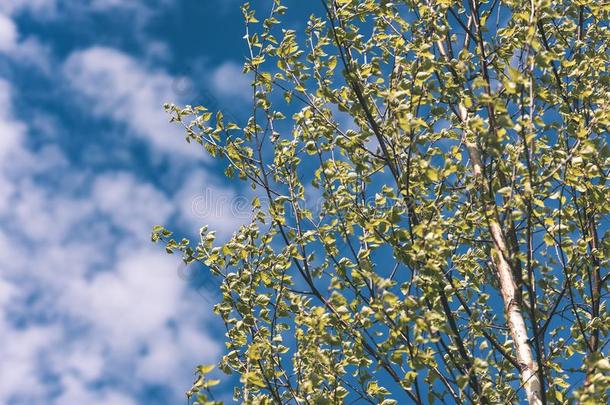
202,385
460,250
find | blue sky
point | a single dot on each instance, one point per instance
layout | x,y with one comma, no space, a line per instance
90,311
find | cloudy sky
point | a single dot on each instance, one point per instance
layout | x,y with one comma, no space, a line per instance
90,311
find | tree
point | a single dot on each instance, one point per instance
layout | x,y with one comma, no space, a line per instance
460,250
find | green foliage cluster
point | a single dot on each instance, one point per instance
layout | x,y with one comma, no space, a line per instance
460,253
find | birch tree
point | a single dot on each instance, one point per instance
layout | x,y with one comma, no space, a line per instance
430,204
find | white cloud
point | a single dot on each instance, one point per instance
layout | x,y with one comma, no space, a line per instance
12,134
12,131
230,82
8,33
50,9
84,297
21,351
26,51
130,204
133,308
85,363
43,215
172,356
131,302
76,393
30,51
42,8
119,87
202,200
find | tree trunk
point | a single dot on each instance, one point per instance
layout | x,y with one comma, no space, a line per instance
508,285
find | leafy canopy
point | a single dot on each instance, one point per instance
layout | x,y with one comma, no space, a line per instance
430,204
